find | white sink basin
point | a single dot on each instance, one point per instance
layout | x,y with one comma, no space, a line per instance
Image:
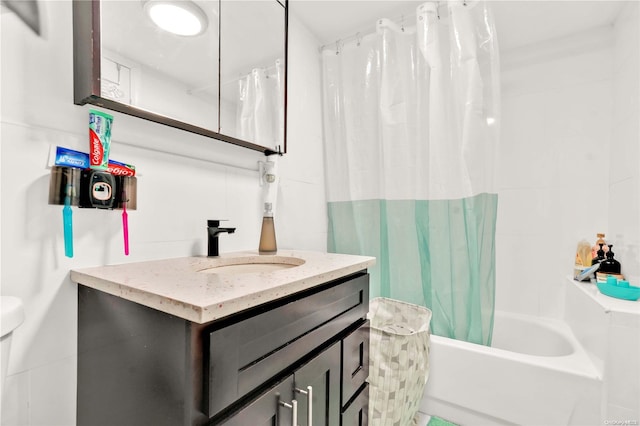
250,265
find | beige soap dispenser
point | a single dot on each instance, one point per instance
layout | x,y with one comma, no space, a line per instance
268,233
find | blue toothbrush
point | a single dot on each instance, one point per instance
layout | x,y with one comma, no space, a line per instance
67,223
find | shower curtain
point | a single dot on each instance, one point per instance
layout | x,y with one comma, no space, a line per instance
260,109
411,131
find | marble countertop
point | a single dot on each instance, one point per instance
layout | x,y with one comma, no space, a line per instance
180,287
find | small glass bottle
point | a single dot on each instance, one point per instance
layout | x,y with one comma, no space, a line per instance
268,233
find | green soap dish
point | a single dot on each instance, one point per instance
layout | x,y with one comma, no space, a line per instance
626,293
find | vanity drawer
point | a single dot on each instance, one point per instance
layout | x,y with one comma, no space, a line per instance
357,413
248,353
355,361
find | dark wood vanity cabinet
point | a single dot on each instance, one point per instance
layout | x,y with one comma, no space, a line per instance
304,355
319,378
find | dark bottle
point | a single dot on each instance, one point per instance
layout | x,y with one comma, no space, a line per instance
610,265
600,256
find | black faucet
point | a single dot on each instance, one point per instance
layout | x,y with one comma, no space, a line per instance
213,228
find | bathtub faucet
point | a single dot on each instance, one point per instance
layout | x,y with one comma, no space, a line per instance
213,230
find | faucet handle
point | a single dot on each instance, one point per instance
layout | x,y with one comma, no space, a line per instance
215,222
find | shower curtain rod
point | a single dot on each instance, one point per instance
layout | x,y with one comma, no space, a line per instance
359,35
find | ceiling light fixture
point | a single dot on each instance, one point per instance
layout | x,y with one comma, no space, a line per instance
182,17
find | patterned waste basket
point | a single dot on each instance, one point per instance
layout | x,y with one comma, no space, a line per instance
398,361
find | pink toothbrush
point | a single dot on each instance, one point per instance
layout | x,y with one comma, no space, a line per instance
125,223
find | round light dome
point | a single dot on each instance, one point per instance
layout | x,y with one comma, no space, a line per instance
182,17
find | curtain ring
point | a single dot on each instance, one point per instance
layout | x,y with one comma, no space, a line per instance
402,23
358,39
338,46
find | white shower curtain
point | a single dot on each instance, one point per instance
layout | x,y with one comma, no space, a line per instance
260,109
411,132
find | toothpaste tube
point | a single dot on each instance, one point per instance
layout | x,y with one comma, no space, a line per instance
99,139
70,158
117,168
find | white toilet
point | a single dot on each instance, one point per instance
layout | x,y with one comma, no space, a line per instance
12,313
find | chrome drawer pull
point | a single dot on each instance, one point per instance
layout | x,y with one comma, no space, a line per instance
294,411
309,393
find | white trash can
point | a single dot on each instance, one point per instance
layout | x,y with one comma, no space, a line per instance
398,360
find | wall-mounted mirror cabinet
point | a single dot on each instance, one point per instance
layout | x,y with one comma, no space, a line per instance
224,78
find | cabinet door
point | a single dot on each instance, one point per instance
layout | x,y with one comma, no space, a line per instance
268,409
357,413
318,382
355,362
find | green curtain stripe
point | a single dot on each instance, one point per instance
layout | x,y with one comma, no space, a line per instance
434,253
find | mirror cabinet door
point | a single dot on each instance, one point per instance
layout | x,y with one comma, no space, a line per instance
125,62
252,71
153,69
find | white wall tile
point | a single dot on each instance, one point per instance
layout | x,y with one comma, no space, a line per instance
517,286
292,223
553,168
14,408
623,378
627,319
522,162
624,205
620,415
627,33
53,393
625,148
304,161
625,226
579,66
589,323
627,90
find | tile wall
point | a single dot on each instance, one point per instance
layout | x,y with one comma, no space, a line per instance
569,169
184,179
557,105
624,177
622,367
569,156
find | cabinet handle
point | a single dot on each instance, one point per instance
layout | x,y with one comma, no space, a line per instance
309,393
294,411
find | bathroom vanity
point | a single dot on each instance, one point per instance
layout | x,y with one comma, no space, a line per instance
239,339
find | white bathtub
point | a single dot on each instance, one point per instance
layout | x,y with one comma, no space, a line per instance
535,373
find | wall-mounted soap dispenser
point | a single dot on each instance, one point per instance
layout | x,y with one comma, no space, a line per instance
268,233
268,175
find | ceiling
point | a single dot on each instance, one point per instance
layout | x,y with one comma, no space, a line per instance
518,23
